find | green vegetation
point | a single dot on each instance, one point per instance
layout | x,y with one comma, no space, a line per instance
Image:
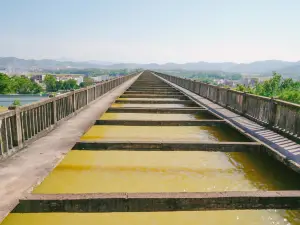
52,85
87,81
208,76
91,72
284,89
23,85
16,102
18,84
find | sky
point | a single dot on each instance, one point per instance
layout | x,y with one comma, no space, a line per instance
151,31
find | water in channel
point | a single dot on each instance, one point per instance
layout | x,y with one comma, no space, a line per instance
163,171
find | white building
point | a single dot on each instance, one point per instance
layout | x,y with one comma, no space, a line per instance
79,79
100,78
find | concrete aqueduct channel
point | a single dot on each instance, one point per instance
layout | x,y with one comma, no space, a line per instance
158,157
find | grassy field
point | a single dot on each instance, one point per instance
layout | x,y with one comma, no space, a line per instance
2,109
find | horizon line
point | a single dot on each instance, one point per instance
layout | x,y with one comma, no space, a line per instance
159,63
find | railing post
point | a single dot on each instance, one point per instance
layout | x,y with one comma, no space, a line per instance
74,101
87,95
217,95
17,127
244,103
273,109
207,91
194,86
54,114
227,97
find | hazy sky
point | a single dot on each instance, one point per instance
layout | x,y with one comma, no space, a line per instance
151,30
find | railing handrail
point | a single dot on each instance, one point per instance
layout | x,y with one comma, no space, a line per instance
278,115
50,99
23,124
241,92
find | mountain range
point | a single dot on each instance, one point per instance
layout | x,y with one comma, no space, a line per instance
259,67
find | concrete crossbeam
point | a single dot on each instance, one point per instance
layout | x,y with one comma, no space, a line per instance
155,101
155,202
186,110
216,122
170,146
174,92
181,97
150,89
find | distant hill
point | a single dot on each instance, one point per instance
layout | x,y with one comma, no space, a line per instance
259,67
27,64
291,71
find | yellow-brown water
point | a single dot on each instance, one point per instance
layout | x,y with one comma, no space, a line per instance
144,133
247,217
156,116
149,99
148,171
133,105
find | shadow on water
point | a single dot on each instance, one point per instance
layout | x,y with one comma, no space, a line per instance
224,132
266,173
205,115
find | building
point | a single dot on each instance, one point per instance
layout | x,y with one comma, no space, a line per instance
38,78
219,81
250,81
229,83
100,78
79,79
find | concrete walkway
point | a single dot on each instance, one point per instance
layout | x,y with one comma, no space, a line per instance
283,149
20,173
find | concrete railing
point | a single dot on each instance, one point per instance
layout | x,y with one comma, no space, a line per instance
280,116
22,125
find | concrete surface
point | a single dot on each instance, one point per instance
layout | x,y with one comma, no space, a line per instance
281,148
154,202
30,166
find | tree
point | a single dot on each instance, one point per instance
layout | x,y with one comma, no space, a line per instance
50,83
16,102
5,84
235,76
36,88
59,85
87,81
71,84
18,84
290,96
23,85
284,89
